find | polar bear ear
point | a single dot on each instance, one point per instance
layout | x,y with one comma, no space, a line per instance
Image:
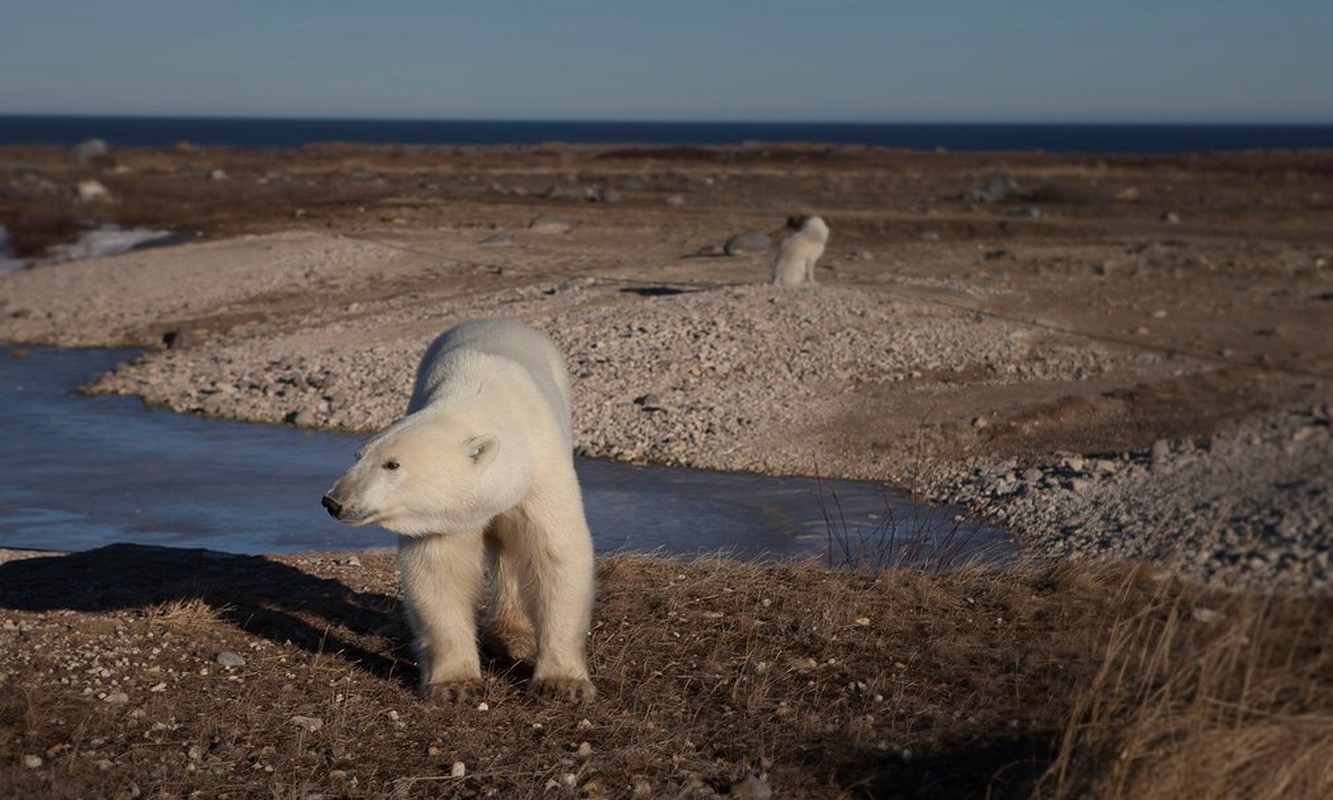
481,449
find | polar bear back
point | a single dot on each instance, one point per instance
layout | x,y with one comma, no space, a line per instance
507,339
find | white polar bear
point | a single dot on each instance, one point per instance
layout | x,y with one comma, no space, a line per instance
796,259
482,465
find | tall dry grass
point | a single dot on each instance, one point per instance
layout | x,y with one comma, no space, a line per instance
1206,696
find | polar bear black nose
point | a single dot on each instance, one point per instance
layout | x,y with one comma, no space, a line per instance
334,507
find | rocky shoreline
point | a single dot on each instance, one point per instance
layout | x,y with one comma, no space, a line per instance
1109,395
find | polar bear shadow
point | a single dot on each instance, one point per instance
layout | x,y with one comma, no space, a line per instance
261,597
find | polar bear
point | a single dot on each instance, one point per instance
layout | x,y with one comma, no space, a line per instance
481,469
796,259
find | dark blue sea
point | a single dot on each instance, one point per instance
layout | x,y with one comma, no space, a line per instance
268,132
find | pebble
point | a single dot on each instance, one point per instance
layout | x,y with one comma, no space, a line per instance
751,788
116,698
32,761
229,659
1161,451
311,724
546,223
457,770
748,243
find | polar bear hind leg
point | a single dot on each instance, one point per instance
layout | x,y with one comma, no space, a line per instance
551,556
508,626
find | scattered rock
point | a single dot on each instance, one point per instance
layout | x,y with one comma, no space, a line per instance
496,239
751,788
305,723
90,151
302,418
32,761
545,223
457,770
92,192
748,243
997,189
675,200
217,175
229,659
1170,218
179,339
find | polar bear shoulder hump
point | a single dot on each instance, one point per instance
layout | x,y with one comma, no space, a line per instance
502,338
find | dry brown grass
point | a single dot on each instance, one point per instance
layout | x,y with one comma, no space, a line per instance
827,683
1206,696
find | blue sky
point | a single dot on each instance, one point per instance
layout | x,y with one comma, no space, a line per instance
820,60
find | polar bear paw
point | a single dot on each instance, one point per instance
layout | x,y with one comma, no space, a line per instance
573,690
453,691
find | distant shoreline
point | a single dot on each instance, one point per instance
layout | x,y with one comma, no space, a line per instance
1090,138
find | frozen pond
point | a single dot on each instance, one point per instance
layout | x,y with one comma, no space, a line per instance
82,472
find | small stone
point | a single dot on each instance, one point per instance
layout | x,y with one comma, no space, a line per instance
675,200
32,761
311,724
568,780
92,192
748,243
496,239
862,621
217,175
585,750
483,706
751,788
1170,218
229,659
301,418
1032,475
457,770
1161,450
116,698
89,150
546,223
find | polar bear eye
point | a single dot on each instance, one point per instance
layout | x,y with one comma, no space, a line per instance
391,464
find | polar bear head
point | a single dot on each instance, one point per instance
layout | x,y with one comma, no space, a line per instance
429,474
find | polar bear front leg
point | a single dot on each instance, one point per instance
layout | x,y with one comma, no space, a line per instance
441,578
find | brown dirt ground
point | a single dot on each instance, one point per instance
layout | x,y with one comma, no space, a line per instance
819,683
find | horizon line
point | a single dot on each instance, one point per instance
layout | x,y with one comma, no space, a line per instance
701,121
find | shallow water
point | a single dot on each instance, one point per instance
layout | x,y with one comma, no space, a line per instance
82,472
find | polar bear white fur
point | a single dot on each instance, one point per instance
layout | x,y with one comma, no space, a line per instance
481,469
796,259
